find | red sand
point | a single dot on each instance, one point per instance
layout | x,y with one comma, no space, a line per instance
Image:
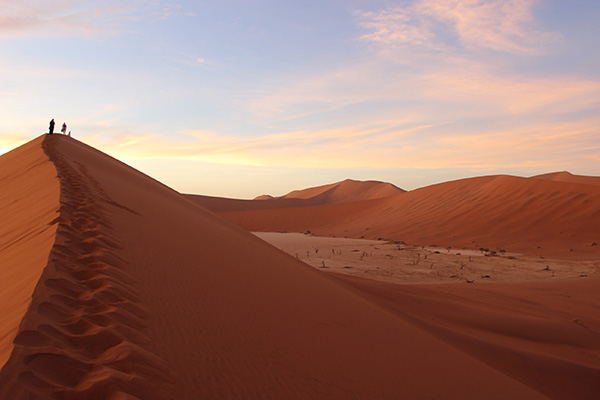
341,192
346,191
147,295
29,204
565,176
531,216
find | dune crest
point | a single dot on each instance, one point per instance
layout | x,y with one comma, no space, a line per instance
146,295
29,201
82,336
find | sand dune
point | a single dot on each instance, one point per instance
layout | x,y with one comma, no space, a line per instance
565,176
335,193
346,191
29,204
146,295
531,216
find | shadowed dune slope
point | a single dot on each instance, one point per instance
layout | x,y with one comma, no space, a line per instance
495,212
29,202
547,334
146,295
339,192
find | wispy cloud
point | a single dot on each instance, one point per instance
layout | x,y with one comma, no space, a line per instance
444,58
386,144
287,148
498,25
491,92
79,17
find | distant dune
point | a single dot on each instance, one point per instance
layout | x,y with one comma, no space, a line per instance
565,176
346,191
541,216
123,289
340,192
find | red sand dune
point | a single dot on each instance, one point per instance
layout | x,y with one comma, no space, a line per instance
145,295
532,216
346,191
29,204
339,192
565,176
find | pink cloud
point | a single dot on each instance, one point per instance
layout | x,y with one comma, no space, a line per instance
76,17
499,25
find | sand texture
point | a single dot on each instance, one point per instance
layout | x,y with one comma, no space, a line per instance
533,216
146,295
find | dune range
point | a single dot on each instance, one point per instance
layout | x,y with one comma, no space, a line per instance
347,191
117,287
554,215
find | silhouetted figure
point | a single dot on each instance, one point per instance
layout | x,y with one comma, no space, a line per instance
69,135
51,126
64,129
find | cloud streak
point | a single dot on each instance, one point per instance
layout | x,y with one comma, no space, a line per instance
388,144
79,17
497,25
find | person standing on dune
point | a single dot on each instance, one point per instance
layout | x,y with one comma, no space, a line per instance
64,129
51,129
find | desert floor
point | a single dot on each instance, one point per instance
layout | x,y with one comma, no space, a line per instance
400,263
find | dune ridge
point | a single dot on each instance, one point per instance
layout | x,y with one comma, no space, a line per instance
529,216
82,335
146,295
29,201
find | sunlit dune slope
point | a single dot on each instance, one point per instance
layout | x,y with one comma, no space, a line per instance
346,191
29,206
339,192
565,176
146,295
534,216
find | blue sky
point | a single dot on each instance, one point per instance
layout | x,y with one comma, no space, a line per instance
241,98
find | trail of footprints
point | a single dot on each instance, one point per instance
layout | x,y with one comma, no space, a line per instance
88,341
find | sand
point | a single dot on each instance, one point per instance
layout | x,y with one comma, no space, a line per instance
347,191
537,217
146,295
537,323
404,264
29,201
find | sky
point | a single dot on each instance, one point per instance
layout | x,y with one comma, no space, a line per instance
240,98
